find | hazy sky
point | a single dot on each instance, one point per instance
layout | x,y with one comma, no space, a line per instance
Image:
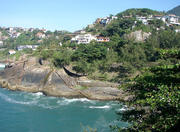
69,14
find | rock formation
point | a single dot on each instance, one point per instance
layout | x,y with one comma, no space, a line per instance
138,36
29,75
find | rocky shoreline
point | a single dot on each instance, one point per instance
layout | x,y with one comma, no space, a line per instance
30,76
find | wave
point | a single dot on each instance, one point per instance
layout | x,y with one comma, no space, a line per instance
35,101
100,107
38,94
10,100
66,101
122,109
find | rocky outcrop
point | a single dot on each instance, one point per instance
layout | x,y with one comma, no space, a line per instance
29,75
138,36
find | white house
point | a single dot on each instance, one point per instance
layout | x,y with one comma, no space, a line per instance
1,43
114,17
102,39
172,18
163,19
83,38
60,43
11,29
40,35
177,30
106,20
22,47
143,19
158,17
11,52
15,35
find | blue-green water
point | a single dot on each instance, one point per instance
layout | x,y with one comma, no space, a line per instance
2,66
34,112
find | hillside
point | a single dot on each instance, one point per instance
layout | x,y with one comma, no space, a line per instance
175,11
125,22
139,11
148,69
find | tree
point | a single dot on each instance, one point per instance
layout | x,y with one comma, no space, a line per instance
157,98
119,26
90,52
62,58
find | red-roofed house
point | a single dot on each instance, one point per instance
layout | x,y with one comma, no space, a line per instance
102,39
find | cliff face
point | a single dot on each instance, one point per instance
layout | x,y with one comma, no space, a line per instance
29,75
138,36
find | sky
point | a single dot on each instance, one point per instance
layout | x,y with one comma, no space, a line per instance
69,15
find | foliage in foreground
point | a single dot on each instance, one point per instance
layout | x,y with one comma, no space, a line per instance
157,101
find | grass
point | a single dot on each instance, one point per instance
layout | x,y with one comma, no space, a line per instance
80,87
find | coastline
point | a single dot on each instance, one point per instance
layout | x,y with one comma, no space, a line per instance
30,76
79,93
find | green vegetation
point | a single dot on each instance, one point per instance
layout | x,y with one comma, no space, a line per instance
139,11
157,93
156,89
120,27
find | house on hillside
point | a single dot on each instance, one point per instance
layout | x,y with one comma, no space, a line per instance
43,30
22,47
114,17
177,30
143,19
11,29
102,39
15,35
130,16
31,29
83,38
1,43
11,52
158,17
40,35
171,18
105,20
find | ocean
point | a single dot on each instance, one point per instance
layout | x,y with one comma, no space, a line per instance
35,112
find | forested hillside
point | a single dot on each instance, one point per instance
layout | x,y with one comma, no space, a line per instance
175,11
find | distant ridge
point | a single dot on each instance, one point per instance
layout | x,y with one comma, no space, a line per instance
175,11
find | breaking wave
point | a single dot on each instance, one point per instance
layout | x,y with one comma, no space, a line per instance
10,100
66,101
38,94
39,100
100,107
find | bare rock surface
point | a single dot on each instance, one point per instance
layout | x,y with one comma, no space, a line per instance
138,36
28,75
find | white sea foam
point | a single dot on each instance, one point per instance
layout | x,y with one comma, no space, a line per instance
122,109
38,94
78,100
100,107
10,100
66,101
